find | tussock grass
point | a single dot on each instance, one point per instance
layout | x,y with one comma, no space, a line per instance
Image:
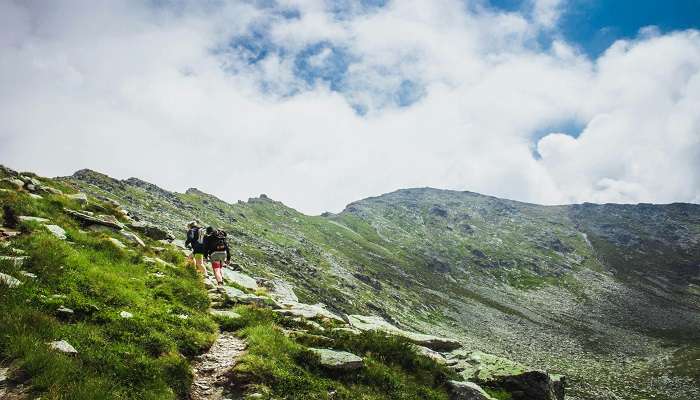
279,366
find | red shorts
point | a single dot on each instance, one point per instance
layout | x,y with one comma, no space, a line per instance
216,264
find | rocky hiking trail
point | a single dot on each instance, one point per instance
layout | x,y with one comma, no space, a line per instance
211,368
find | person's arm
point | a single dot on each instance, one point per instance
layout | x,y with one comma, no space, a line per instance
188,242
228,254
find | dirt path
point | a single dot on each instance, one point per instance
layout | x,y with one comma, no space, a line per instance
211,367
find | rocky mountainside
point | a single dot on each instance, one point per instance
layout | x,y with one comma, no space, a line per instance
607,294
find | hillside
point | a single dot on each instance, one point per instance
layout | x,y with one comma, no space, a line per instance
607,295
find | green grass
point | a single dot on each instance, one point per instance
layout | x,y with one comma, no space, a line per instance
276,365
141,357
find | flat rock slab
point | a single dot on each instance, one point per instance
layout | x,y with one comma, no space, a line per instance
308,311
338,360
63,347
29,218
466,391
281,291
373,322
117,243
240,279
57,231
104,220
132,237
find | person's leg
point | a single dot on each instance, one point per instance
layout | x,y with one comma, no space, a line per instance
199,261
216,266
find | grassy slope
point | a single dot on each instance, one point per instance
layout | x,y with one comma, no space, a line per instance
516,279
141,357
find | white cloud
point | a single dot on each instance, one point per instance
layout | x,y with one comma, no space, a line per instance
156,93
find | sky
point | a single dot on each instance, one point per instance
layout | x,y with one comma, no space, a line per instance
320,103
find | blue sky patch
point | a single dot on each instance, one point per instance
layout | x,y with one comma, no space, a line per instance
323,62
571,127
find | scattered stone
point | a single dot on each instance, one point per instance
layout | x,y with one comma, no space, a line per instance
132,237
158,261
65,310
183,316
3,376
57,231
239,279
9,281
50,189
158,250
79,197
63,347
6,233
35,196
117,243
338,360
28,274
367,323
466,391
126,314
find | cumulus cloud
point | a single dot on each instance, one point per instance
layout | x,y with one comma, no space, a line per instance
318,106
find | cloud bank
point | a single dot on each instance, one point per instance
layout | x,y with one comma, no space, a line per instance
321,103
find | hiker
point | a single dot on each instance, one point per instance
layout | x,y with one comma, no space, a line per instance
217,251
195,241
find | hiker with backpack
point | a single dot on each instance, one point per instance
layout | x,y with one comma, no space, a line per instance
195,241
217,251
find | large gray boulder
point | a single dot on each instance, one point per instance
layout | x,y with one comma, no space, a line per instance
79,197
373,322
466,391
338,360
103,220
522,382
239,278
133,238
152,231
308,311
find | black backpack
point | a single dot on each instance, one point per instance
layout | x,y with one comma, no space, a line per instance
219,240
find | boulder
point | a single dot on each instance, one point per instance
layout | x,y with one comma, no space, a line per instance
338,360
79,197
432,354
152,231
372,322
63,347
466,391
103,220
6,233
28,274
126,315
523,382
281,291
308,311
239,279
57,231
132,237
9,281
65,310
49,189
17,183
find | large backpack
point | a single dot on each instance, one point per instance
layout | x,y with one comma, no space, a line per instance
219,240
196,235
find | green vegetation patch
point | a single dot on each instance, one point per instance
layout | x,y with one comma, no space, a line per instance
280,366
